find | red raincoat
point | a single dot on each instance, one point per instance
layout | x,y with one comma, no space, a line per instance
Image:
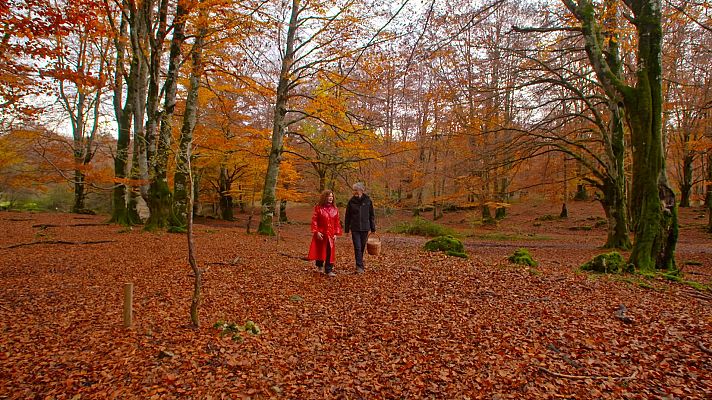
325,220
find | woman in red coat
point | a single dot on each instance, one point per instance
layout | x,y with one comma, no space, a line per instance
325,226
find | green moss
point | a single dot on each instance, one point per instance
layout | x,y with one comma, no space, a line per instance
512,236
456,254
699,286
548,217
422,227
522,257
447,244
177,229
607,263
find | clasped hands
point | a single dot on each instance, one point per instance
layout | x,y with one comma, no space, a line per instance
321,236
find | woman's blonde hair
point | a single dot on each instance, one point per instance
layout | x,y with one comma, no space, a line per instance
324,198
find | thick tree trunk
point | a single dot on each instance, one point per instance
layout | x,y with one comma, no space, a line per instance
653,200
120,212
686,184
283,211
653,205
224,188
615,207
160,196
79,192
280,112
182,210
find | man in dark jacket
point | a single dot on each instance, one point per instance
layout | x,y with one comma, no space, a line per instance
359,220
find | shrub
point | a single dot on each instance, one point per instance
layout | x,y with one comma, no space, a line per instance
607,263
422,227
522,257
448,245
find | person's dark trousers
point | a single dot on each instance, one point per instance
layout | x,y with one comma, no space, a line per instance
359,238
329,265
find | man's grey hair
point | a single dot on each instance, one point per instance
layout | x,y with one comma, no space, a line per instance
359,186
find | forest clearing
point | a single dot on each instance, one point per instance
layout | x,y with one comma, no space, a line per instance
169,167
415,325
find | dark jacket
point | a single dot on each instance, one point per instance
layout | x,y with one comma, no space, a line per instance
359,215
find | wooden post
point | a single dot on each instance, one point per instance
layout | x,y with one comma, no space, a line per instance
128,305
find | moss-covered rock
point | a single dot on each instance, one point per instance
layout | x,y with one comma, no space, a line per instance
447,244
522,257
608,263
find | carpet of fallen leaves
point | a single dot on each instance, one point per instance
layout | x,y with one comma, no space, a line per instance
415,325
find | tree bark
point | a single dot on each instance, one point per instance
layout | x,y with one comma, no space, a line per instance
224,189
280,111
160,197
652,201
686,184
124,115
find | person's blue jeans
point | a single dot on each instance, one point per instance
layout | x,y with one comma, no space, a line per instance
359,239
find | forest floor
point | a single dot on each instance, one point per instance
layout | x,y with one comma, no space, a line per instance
415,325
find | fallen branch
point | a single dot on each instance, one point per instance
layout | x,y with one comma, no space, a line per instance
699,295
45,226
616,378
90,224
703,348
563,355
59,242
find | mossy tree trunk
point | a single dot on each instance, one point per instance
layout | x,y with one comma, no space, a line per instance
283,211
616,209
686,184
185,195
652,201
614,199
160,195
124,115
279,127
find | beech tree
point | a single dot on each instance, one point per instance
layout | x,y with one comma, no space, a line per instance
652,200
574,115
318,36
80,67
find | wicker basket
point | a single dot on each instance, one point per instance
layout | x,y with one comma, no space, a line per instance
373,246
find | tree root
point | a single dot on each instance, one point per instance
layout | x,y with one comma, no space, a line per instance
59,242
616,378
